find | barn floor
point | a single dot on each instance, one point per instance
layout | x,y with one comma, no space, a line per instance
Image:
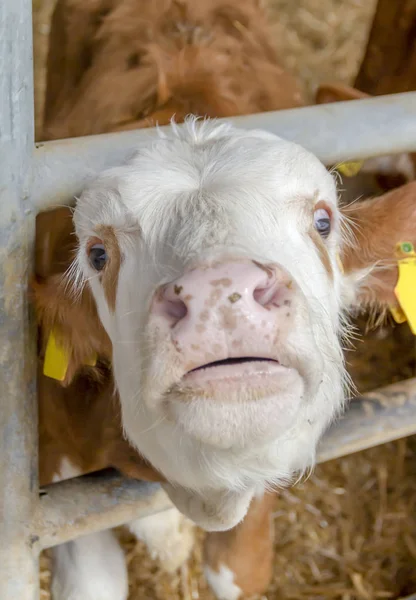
349,532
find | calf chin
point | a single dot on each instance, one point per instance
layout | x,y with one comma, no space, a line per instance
213,510
209,465
243,419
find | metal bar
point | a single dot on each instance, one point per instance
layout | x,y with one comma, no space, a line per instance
334,132
92,503
18,410
377,418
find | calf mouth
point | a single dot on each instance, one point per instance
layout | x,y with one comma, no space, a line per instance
233,361
243,368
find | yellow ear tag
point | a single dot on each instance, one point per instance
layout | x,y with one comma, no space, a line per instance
405,289
56,359
91,362
398,314
350,168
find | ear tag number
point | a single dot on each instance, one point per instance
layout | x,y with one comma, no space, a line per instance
57,359
405,289
350,168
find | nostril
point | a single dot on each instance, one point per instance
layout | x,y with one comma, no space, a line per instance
268,294
176,309
167,305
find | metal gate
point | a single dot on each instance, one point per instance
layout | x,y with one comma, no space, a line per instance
36,177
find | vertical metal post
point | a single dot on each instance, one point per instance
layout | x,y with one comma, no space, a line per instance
19,577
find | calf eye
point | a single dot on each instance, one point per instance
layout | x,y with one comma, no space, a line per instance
322,222
97,256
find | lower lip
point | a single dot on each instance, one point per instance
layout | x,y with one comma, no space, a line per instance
235,372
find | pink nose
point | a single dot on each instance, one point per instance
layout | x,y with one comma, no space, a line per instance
224,306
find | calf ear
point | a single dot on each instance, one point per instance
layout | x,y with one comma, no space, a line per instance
55,241
70,313
377,226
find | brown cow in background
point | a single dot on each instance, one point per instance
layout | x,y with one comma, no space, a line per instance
122,65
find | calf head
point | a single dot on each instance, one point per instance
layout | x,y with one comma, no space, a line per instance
212,258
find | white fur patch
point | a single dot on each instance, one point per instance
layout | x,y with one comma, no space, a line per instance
91,567
213,511
222,583
202,193
67,470
169,537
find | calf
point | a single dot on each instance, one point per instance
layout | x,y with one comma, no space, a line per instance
114,66
210,263
212,259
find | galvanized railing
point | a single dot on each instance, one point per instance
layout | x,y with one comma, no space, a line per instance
37,177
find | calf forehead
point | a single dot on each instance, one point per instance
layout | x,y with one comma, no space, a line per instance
264,165
202,185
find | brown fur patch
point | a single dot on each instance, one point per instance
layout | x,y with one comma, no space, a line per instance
322,251
79,419
247,549
112,268
75,320
55,243
71,313
318,241
82,423
144,62
378,225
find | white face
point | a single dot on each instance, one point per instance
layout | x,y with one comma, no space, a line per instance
212,258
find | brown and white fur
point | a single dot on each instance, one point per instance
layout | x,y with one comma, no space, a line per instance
115,66
379,224
80,428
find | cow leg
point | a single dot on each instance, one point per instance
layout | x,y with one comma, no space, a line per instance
240,561
91,567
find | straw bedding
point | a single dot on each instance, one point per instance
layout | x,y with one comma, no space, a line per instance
349,532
